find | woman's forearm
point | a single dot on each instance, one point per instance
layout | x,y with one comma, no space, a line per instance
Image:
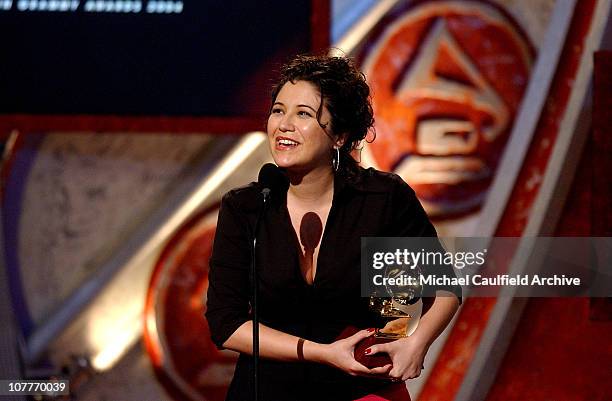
274,344
436,316
277,345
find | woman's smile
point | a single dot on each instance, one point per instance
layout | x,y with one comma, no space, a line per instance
284,143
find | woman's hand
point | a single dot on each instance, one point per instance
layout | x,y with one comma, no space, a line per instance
407,355
341,354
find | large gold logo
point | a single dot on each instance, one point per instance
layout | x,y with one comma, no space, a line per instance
447,79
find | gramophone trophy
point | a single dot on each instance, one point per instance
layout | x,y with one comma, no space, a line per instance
398,312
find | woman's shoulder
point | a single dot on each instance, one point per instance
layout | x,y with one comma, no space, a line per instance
245,198
373,180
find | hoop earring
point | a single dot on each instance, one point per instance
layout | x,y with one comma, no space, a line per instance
336,159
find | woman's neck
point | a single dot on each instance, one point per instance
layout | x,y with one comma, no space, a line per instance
313,187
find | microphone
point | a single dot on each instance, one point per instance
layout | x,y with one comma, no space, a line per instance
272,178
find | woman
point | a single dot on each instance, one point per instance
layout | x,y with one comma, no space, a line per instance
309,249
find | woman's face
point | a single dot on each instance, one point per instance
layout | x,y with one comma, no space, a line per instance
297,141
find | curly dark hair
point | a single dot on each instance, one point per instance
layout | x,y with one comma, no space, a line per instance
343,90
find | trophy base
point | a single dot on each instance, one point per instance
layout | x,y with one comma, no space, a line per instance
372,361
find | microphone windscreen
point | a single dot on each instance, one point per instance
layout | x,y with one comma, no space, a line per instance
272,177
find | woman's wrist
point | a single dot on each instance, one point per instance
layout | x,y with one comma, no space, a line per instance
420,338
313,352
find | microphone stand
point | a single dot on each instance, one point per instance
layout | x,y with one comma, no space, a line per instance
266,193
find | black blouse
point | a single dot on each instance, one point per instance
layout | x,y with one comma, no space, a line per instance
370,203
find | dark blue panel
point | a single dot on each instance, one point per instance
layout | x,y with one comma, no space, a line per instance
215,58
